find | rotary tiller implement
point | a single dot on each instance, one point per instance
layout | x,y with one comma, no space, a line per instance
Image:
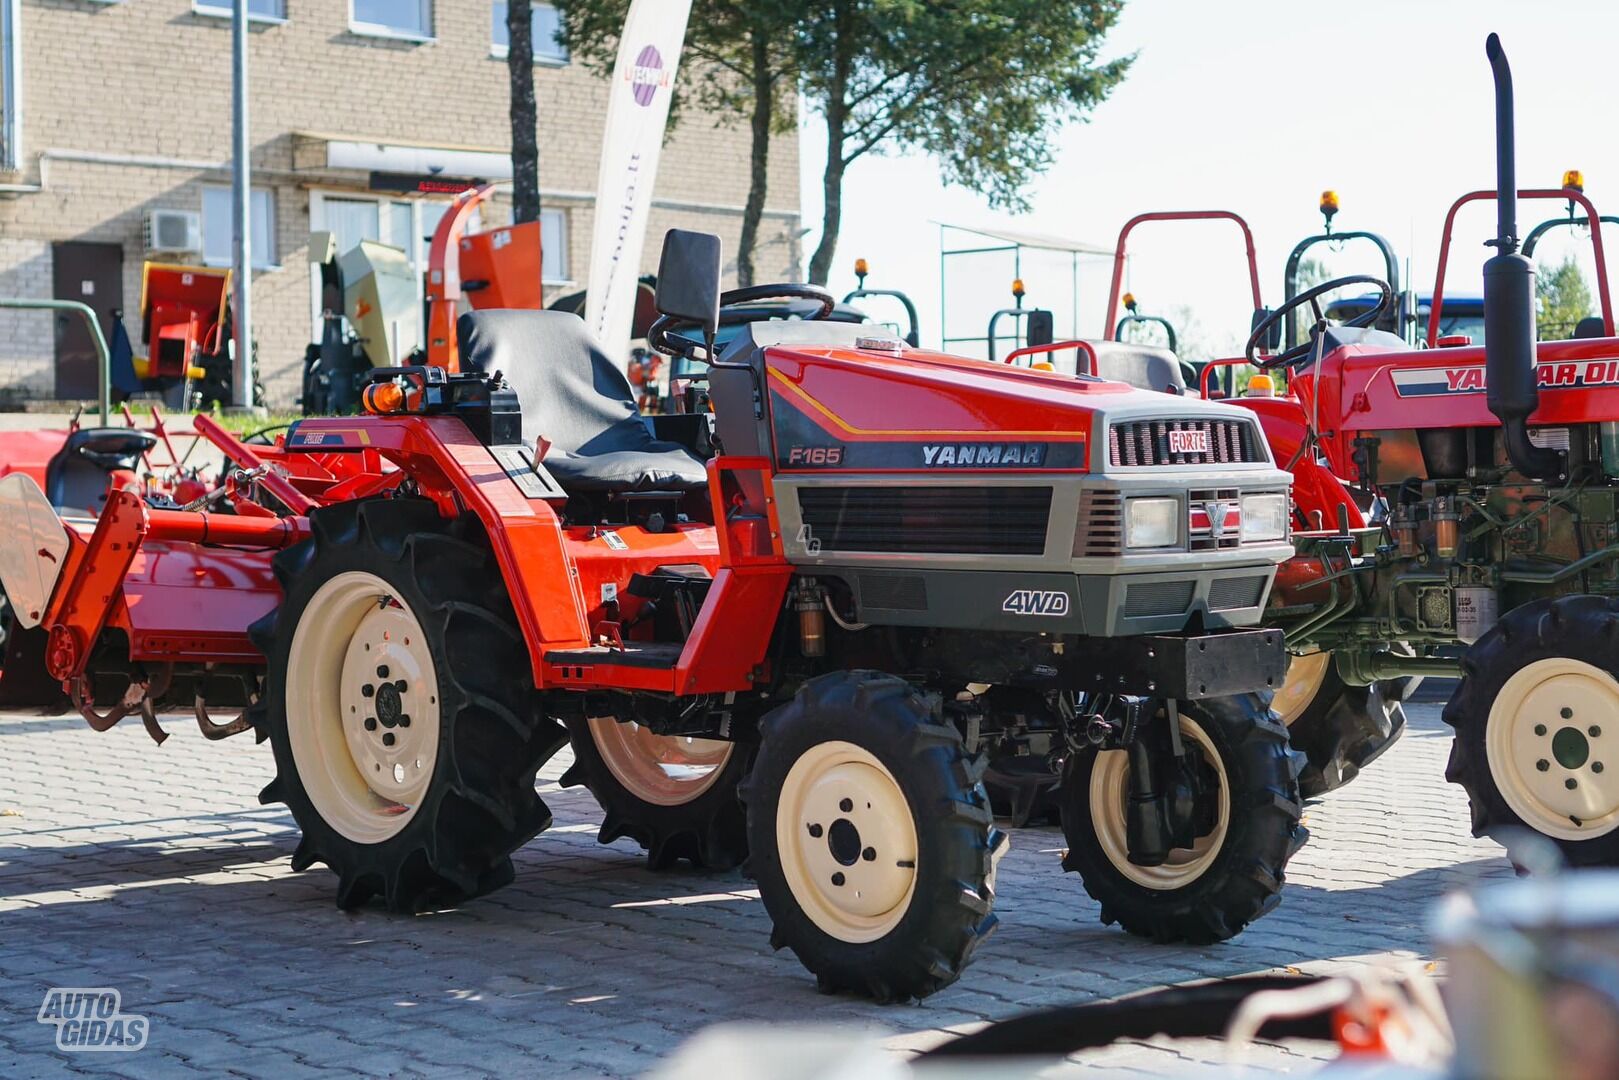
879,572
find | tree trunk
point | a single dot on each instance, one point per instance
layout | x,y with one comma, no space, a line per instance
764,111
524,112
837,118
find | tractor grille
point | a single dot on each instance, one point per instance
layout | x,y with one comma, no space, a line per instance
928,520
1150,598
1147,442
1101,523
1228,593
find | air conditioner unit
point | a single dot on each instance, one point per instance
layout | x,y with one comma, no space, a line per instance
173,230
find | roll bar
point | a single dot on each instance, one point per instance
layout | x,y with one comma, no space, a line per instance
103,356
1559,194
1120,252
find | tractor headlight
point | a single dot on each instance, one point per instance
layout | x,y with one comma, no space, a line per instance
1152,523
1264,517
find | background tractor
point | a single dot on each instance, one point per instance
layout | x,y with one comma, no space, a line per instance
843,620
1476,510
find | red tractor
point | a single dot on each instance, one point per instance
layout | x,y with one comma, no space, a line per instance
1460,500
879,572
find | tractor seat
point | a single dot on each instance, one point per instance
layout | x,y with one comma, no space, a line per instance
76,478
1144,367
578,400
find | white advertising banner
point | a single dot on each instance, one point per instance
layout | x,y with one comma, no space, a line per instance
637,112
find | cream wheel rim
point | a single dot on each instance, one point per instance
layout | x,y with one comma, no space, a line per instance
1109,795
1546,743
362,707
847,842
1305,675
664,770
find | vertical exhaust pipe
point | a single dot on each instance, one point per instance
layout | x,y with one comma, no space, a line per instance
1509,302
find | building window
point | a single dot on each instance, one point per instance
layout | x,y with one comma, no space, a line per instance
219,234
544,26
553,247
408,19
273,11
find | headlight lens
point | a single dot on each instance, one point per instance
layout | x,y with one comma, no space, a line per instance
1152,523
1264,517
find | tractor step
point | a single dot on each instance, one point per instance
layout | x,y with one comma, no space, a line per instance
660,655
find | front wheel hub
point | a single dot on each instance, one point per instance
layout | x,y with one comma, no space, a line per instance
847,841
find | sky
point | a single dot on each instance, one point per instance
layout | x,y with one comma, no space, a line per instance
1257,106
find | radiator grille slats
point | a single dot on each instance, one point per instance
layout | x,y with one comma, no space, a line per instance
1101,523
1148,598
1242,592
1147,442
928,520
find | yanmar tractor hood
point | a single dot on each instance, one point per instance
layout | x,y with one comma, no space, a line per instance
839,398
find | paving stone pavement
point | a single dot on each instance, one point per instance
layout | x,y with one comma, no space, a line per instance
155,871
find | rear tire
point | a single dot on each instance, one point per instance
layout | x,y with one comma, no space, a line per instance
1235,874
424,801
1541,688
871,837
1340,728
675,797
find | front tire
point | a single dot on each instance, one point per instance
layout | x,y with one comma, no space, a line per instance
1340,728
674,796
1234,873
405,730
871,837
1534,713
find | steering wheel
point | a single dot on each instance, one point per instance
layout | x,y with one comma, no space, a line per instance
1298,352
658,334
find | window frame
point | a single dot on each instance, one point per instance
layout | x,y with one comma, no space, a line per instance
260,262
380,30
499,51
221,9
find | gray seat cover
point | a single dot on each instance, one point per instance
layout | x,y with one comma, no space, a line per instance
1141,366
578,400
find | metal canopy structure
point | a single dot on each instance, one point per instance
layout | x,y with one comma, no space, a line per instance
962,245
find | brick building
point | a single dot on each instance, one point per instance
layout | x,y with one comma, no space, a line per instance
116,108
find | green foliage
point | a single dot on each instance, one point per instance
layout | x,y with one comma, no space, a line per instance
978,84
1564,298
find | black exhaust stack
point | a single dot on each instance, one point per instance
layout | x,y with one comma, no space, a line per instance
1509,302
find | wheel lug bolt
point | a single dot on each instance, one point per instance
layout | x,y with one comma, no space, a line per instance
870,854
1540,729
367,690
837,879
1595,732
382,671
1565,712
387,738
399,684
370,723
815,831
1543,764
1596,766
846,805
404,720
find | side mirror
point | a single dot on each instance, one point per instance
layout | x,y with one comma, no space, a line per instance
1042,328
1273,337
689,279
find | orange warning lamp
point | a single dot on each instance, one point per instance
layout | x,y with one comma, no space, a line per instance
383,398
1261,385
1574,180
1329,206
860,271
1017,288
1130,302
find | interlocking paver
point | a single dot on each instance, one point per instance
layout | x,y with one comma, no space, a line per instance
154,870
